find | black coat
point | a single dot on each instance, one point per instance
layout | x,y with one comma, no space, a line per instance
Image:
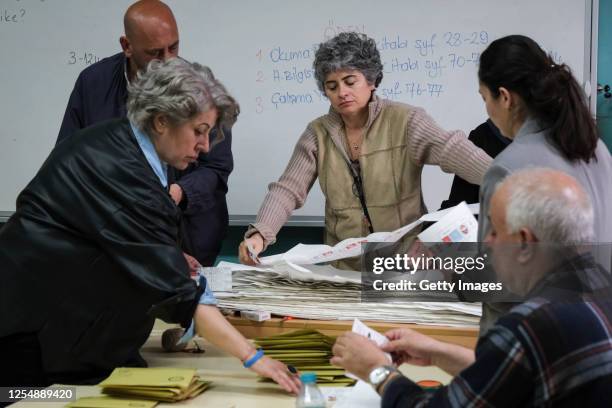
90,257
99,94
488,138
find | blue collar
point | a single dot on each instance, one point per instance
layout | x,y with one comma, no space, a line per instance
159,168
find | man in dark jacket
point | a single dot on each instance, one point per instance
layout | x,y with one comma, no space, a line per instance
100,93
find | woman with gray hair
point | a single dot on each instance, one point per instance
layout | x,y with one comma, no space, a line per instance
367,152
90,258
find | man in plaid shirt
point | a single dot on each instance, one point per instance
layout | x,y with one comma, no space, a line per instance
554,349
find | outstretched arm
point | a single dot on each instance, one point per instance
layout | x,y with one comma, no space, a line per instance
211,325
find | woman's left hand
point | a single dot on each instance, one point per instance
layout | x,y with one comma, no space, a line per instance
193,264
358,355
277,371
176,192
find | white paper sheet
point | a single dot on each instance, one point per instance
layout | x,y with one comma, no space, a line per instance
457,225
362,329
302,254
218,279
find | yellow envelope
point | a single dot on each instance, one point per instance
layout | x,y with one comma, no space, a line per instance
180,378
160,394
306,350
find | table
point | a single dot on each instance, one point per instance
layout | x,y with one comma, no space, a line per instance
466,337
233,386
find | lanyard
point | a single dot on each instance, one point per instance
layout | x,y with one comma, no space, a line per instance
358,191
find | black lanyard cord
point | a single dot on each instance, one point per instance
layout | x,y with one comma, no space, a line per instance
358,185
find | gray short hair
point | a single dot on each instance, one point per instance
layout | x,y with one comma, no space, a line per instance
179,90
555,215
348,50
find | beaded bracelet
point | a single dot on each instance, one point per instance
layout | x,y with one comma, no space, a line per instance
248,363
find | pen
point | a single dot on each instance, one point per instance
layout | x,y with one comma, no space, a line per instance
251,252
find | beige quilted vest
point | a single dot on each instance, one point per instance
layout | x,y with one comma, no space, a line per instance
391,180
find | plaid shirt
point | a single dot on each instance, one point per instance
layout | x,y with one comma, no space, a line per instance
553,350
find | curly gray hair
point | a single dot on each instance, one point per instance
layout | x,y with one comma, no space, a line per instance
180,90
348,50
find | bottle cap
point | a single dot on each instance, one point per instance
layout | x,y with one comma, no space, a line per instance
429,384
308,378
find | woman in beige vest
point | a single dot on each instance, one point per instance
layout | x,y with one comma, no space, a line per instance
367,152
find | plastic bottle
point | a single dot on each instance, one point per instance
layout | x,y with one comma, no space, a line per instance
310,395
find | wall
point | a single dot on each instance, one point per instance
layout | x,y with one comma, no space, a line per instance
263,52
604,70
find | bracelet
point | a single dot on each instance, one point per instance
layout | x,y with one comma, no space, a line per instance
249,362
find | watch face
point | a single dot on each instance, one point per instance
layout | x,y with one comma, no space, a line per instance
378,375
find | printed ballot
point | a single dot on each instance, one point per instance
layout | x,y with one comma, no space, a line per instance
314,254
457,225
362,329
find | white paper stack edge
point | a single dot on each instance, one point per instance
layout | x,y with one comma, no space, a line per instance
255,315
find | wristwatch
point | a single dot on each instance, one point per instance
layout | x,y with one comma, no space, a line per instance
378,375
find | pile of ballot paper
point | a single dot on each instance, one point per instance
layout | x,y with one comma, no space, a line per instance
128,386
308,351
326,293
293,284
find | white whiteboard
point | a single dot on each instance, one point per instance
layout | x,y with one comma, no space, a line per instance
263,51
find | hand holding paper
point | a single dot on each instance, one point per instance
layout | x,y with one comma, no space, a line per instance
358,355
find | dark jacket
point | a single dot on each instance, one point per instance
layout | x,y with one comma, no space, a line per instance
553,350
90,258
99,94
488,138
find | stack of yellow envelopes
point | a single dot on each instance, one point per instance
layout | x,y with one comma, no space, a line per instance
306,350
159,384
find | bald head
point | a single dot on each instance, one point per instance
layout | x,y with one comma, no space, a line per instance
144,12
538,217
550,203
150,33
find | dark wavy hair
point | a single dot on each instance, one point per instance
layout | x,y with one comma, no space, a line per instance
348,50
550,92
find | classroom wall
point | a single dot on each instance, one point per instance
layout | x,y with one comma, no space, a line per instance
290,236
604,70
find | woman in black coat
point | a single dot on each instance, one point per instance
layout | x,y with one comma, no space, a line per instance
90,258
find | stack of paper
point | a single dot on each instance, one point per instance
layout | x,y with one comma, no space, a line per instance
327,293
308,351
159,384
288,285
